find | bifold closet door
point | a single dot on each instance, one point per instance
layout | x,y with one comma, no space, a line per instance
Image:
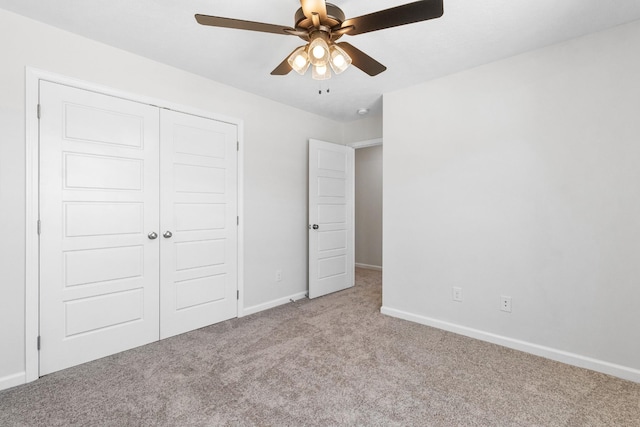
198,252
99,198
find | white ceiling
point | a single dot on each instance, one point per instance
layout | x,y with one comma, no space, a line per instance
471,33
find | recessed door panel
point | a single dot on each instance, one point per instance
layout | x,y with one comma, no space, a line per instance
92,266
331,161
90,124
199,254
196,141
103,311
199,179
200,216
102,218
332,240
200,291
331,187
84,171
331,214
331,267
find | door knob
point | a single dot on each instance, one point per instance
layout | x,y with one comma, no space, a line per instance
315,226
153,235
167,234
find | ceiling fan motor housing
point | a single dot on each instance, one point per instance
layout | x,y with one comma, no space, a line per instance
334,19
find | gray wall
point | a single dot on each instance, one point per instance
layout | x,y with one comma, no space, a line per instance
364,129
525,184
368,205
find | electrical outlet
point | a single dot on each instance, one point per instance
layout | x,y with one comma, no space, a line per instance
457,294
278,275
505,303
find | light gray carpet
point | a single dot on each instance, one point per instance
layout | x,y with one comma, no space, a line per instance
332,361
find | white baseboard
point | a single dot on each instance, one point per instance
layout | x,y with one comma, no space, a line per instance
271,304
12,380
573,359
369,267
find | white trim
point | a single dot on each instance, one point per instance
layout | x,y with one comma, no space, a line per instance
352,188
271,304
369,267
356,145
31,235
365,144
240,213
143,99
12,380
573,359
33,77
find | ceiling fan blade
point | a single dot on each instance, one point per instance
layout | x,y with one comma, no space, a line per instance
361,60
401,15
309,7
284,68
217,21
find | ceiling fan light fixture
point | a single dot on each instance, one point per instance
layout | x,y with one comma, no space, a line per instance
319,50
340,60
321,72
320,24
299,60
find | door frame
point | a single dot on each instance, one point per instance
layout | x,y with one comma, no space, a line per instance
366,143
33,76
357,145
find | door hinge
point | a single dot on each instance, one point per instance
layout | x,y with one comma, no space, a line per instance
38,111
237,145
39,227
237,294
237,220
38,342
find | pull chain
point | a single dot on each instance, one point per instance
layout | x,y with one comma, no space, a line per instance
320,90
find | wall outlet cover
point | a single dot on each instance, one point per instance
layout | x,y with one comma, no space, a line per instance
505,303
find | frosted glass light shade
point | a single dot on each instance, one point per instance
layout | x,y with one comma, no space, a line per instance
340,61
318,52
321,72
299,60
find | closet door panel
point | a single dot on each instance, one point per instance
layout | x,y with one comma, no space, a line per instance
198,158
99,199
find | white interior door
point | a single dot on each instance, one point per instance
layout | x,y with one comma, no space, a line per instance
199,227
98,202
331,218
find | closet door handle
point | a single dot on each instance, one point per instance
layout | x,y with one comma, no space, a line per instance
167,234
153,235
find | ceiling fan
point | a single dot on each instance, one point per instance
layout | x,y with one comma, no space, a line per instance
321,24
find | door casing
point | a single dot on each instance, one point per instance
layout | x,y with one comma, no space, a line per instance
32,78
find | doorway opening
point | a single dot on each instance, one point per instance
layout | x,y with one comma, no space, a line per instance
368,204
